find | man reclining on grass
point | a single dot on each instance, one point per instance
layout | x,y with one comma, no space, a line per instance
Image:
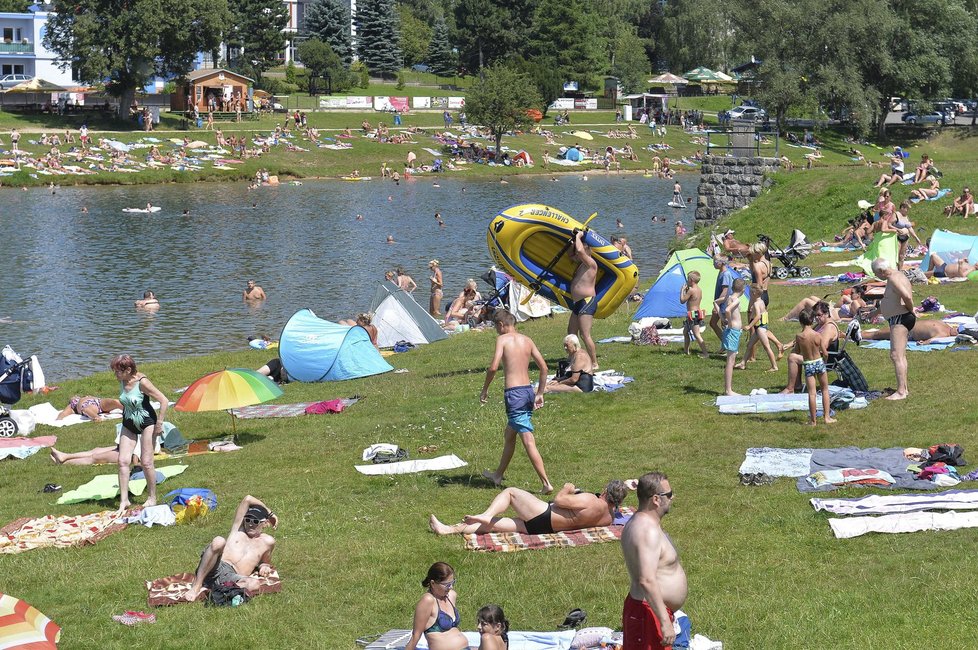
246,548
571,509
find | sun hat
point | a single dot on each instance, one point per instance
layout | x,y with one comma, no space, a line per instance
863,204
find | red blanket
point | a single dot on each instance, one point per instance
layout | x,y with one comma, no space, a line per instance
171,590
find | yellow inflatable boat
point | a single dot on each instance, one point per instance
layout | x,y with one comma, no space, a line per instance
529,242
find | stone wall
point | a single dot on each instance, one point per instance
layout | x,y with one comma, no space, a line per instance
728,184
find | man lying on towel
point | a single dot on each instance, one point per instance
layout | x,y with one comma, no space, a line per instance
571,509
246,548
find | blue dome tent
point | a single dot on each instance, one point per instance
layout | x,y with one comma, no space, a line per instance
313,349
662,298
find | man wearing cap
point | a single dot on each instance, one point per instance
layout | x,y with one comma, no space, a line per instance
246,548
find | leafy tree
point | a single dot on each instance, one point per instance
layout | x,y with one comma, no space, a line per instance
129,46
567,31
14,6
255,39
700,33
491,30
415,36
441,59
329,21
322,63
500,99
359,74
377,36
548,80
629,62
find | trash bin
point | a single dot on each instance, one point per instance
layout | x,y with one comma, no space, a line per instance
627,112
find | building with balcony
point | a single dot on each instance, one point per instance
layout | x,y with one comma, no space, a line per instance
22,48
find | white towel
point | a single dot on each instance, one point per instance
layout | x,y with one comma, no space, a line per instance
413,466
880,504
903,523
47,414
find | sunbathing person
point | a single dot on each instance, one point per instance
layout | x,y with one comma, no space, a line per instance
848,305
577,378
463,306
924,331
924,169
964,204
89,406
924,193
571,509
896,171
245,549
363,320
941,269
733,247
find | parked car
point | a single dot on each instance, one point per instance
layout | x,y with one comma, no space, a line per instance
934,117
11,80
747,113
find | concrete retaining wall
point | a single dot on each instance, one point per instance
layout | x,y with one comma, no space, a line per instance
728,184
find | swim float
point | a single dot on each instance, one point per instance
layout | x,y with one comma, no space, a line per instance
525,239
355,178
155,208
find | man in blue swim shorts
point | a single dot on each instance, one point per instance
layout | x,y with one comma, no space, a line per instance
728,306
514,351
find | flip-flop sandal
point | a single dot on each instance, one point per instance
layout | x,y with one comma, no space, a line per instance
575,619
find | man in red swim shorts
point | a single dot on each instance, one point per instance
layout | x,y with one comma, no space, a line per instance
658,582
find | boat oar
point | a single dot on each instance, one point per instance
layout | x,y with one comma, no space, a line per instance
536,285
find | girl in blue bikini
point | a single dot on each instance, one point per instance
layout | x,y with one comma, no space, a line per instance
436,615
140,425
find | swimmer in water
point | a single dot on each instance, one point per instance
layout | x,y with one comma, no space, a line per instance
619,223
390,239
359,217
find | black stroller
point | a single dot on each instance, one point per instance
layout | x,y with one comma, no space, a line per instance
15,377
797,250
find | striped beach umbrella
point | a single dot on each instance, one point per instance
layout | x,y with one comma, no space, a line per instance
228,389
22,626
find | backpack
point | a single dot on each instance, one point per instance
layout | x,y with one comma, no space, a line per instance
403,346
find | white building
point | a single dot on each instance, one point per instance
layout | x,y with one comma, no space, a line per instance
22,48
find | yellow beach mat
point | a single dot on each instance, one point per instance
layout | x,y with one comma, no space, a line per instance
106,486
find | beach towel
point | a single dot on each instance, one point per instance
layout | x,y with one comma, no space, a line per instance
23,626
518,640
47,414
512,542
563,162
913,346
171,590
608,381
106,486
839,249
282,410
887,504
892,461
776,462
617,339
27,534
413,466
902,523
941,193
816,281
24,447
779,403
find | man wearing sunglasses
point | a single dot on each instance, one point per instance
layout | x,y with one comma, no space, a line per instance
246,548
658,582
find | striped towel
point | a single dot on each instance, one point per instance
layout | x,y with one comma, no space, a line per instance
280,410
27,534
512,542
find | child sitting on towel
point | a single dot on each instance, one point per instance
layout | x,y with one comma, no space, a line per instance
246,548
811,347
493,628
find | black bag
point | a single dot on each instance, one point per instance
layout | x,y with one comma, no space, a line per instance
563,369
385,456
946,453
850,376
228,595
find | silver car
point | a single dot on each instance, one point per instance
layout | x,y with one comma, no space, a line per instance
11,80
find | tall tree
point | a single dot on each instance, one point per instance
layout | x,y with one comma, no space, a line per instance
256,40
698,33
500,101
329,21
14,6
441,57
568,32
492,30
377,36
629,61
322,63
414,37
128,46
545,76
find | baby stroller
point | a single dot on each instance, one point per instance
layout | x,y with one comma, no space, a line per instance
797,250
16,375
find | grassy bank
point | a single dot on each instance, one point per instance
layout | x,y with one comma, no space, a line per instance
764,570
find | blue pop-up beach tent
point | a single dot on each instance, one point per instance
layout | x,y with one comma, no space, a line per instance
662,298
951,247
313,349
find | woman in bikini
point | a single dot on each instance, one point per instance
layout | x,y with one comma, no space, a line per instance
89,406
924,193
436,614
577,378
462,306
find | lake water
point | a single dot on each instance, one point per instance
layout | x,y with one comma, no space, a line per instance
70,278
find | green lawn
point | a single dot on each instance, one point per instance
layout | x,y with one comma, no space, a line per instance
763,567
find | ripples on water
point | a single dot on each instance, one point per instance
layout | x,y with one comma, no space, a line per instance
71,278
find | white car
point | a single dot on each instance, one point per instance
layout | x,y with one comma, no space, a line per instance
11,80
747,113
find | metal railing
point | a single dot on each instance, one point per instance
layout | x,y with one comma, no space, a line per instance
16,48
743,139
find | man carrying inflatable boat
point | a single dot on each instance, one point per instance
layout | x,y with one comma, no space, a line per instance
583,294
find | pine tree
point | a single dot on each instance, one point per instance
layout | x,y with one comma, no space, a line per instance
256,39
329,21
378,36
441,59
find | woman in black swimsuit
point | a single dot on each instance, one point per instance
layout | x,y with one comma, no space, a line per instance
577,378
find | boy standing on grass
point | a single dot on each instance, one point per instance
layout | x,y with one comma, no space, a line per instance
514,350
691,295
811,347
729,310
758,324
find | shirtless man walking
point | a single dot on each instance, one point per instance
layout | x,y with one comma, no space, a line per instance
571,509
514,350
253,292
246,548
584,296
658,582
897,307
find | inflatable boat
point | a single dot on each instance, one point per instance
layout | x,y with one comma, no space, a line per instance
530,242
